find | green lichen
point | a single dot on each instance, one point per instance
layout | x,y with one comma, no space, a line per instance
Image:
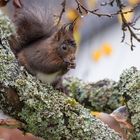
59,120
130,88
45,111
71,102
101,96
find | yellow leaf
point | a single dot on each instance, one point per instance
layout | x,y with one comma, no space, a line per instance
107,49
94,113
77,37
91,3
72,14
133,2
96,55
127,14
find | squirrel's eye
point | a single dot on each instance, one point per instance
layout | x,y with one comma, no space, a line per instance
64,47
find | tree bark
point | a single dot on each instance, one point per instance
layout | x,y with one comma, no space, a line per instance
129,86
44,111
102,96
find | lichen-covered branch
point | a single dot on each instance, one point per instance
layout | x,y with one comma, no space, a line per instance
103,96
44,111
129,85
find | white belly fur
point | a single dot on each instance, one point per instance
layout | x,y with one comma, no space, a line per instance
47,78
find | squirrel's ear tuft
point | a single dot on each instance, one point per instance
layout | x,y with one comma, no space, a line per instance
69,27
65,29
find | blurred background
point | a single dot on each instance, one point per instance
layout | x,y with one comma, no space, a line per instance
101,54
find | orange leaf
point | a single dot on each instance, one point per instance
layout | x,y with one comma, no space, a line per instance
133,2
96,55
91,3
72,14
94,113
107,49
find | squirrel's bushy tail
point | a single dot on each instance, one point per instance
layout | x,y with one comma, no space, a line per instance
36,19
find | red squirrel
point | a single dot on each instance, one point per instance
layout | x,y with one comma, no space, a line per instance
45,49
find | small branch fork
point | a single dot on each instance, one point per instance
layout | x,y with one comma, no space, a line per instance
126,26
81,7
62,11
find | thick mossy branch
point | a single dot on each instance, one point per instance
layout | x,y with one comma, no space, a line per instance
102,96
129,85
44,111
108,95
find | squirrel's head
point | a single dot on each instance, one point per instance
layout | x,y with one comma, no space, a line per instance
65,45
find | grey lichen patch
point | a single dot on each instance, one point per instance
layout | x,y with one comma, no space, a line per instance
46,112
130,87
59,119
6,26
101,96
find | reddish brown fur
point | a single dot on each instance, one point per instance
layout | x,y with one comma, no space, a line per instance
46,57
40,45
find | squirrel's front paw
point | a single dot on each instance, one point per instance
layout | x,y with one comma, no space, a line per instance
72,65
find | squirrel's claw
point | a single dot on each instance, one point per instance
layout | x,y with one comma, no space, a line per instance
70,65
17,3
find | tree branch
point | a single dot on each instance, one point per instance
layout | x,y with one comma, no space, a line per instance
44,111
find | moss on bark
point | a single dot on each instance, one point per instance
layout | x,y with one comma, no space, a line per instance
44,111
129,85
103,96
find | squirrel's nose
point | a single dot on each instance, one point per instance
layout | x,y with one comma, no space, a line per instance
70,59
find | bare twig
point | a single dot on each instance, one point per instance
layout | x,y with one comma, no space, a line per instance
111,2
127,26
63,11
81,7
